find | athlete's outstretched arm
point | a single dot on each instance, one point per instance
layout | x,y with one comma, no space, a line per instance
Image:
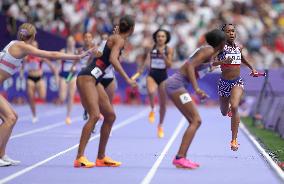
28,49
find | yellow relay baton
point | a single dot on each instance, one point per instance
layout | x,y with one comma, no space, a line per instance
135,76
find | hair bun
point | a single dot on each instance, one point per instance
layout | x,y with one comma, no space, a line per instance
24,32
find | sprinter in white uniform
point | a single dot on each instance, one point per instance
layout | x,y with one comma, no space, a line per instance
10,61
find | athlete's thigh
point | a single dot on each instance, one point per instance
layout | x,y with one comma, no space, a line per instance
151,85
104,102
224,103
62,89
88,94
162,93
184,103
236,95
72,87
111,90
5,108
31,88
41,89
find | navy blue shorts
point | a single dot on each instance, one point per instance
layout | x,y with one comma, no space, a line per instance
159,75
225,86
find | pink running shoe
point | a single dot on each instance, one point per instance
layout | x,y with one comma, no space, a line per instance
184,163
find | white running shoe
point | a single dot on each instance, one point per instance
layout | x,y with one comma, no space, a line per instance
3,163
9,160
34,119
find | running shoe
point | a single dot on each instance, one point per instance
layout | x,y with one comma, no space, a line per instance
83,162
234,145
6,158
184,163
107,162
68,120
34,119
160,132
151,117
4,163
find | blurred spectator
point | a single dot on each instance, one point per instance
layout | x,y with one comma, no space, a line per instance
260,23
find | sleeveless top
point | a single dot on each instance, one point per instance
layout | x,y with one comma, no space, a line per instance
233,52
33,62
8,63
157,59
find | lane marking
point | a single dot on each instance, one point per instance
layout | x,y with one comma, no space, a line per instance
30,168
42,129
147,179
46,114
271,163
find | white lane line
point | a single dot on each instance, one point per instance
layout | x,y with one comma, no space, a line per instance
154,168
272,164
28,169
45,114
42,129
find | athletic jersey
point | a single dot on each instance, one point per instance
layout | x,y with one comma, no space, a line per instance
233,52
202,69
157,59
8,63
102,63
66,64
109,72
33,62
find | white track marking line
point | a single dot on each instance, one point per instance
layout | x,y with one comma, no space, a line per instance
46,114
42,129
28,169
147,179
271,163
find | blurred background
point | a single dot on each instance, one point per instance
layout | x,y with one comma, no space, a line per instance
259,25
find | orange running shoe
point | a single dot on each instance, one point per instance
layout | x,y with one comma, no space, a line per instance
68,120
83,162
107,162
152,117
160,132
234,145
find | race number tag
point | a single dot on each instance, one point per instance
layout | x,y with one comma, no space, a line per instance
96,72
185,98
237,58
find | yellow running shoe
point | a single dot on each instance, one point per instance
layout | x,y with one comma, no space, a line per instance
68,120
152,117
160,132
107,162
83,162
234,145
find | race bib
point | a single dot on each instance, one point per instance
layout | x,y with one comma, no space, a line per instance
96,72
237,58
158,63
185,98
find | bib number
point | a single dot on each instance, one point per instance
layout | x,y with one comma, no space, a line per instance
185,98
96,72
